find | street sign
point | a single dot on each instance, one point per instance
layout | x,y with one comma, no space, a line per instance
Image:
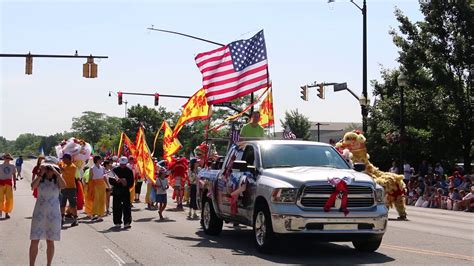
224,104
340,86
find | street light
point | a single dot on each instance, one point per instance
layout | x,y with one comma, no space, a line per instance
363,9
402,83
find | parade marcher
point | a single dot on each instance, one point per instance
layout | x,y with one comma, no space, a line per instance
193,179
138,188
161,187
179,176
96,191
34,174
18,165
7,185
69,192
131,164
46,218
253,129
122,182
108,191
394,168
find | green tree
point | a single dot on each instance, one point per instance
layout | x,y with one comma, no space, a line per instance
435,55
298,123
151,120
27,143
91,126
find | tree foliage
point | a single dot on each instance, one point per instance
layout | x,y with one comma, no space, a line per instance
435,55
297,123
91,126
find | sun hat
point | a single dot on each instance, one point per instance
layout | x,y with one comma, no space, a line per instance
123,160
8,156
50,161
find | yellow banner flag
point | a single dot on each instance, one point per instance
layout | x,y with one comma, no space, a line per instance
266,111
144,160
171,145
195,109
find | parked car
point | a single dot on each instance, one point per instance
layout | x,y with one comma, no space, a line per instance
280,188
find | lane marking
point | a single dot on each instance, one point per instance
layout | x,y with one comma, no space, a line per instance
429,252
114,256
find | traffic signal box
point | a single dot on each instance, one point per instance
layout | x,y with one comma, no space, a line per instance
157,99
304,92
321,91
119,96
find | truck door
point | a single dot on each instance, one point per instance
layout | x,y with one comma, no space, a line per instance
247,196
224,187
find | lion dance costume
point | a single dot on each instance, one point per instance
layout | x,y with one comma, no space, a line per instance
392,183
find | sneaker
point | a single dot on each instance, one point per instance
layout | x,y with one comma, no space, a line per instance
74,223
94,218
125,226
195,216
7,216
402,218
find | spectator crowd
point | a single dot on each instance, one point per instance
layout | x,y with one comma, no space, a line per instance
432,187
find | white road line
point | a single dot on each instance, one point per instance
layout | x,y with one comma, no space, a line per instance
114,256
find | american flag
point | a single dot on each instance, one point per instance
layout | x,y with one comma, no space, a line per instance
234,70
234,135
287,134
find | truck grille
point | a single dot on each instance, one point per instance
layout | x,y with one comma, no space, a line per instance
316,196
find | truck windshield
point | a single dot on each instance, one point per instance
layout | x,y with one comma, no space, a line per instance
291,155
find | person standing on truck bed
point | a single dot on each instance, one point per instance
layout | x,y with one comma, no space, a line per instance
253,129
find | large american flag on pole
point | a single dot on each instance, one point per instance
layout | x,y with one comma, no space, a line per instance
234,70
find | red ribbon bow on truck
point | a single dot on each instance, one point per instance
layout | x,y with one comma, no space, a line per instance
340,188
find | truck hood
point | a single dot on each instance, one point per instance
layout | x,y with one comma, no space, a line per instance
297,176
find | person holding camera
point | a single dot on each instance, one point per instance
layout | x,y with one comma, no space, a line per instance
46,218
121,183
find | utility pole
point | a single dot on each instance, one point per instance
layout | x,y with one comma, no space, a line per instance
126,113
320,124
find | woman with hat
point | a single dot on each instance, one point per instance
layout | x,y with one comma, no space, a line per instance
7,180
46,219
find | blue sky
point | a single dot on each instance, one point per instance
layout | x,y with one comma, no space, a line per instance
306,41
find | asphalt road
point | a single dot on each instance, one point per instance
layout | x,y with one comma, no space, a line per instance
435,237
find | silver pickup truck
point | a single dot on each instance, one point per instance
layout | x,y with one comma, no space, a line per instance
280,188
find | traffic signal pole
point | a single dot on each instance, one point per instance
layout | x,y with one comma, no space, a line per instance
89,68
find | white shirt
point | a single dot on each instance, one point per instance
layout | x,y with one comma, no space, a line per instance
98,172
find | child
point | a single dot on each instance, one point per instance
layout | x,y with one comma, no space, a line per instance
161,187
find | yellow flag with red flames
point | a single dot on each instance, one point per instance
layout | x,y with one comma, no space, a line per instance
266,111
144,160
171,144
195,109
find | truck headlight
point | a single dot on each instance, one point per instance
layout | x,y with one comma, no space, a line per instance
284,195
379,194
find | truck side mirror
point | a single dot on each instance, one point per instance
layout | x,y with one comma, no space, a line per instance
252,169
359,167
239,165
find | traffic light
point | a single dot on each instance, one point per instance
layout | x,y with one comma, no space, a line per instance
89,69
29,65
321,91
157,99
119,96
304,92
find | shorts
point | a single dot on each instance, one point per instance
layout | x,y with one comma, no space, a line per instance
161,198
68,194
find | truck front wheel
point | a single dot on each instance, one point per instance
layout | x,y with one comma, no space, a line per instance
262,228
211,224
368,245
